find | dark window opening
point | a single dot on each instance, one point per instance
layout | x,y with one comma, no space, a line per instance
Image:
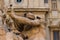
56,35
45,1
53,0
19,1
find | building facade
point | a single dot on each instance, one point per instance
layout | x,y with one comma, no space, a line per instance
48,10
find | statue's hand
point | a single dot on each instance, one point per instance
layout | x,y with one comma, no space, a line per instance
29,16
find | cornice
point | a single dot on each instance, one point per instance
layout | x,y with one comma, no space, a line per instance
30,9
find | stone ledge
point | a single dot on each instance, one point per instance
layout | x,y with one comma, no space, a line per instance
29,9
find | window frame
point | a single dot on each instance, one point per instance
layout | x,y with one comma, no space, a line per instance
54,29
54,5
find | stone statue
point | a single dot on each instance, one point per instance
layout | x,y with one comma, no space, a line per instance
29,26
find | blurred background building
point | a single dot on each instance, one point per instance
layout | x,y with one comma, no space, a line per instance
48,10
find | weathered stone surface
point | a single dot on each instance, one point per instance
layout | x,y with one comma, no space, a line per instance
17,37
2,34
9,36
37,33
12,36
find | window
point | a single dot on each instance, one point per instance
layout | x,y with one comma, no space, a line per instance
45,1
19,1
55,35
53,0
54,4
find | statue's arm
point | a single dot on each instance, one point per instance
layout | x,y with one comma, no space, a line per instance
28,21
25,20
